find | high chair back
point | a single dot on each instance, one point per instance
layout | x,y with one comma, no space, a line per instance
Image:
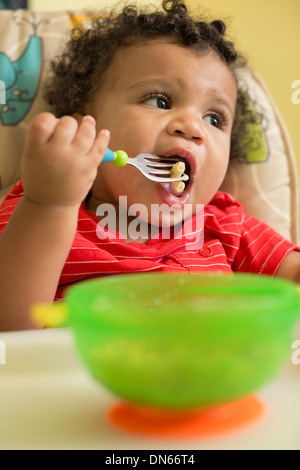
266,184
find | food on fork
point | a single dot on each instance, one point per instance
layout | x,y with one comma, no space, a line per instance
178,169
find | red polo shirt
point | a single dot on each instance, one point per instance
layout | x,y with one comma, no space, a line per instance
221,238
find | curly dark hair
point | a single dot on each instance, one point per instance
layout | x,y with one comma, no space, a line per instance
77,73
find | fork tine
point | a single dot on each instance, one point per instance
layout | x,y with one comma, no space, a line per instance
161,179
160,172
166,176
163,159
160,165
153,156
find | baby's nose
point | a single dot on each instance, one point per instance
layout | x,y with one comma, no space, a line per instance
188,125
189,135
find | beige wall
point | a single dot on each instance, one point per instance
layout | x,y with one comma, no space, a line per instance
55,5
266,31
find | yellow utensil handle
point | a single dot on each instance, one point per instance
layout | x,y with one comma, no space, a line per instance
50,315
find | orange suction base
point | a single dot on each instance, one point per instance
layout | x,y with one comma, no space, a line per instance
208,422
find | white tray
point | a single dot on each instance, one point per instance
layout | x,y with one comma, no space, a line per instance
48,401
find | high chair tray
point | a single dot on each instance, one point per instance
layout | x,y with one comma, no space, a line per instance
48,401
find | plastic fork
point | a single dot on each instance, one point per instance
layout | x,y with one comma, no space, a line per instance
149,164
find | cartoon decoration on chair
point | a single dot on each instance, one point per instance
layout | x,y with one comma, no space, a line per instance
21,78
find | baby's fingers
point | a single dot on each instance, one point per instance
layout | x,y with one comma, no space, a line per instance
85,135
40,130
100,146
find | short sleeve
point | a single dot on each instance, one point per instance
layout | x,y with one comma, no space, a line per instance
261,249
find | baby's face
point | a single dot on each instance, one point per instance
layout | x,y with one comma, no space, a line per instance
161,98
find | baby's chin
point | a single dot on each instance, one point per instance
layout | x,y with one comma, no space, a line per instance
163,216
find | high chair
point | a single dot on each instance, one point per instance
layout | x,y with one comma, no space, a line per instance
266,184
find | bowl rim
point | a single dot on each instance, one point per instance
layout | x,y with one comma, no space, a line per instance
258,286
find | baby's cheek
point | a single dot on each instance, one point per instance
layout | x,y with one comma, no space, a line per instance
126,181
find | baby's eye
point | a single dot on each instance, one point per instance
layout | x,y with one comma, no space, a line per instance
213,119
158,101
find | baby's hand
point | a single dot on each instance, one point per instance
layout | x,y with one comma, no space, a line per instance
61,158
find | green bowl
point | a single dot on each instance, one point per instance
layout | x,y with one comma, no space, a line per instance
183,341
